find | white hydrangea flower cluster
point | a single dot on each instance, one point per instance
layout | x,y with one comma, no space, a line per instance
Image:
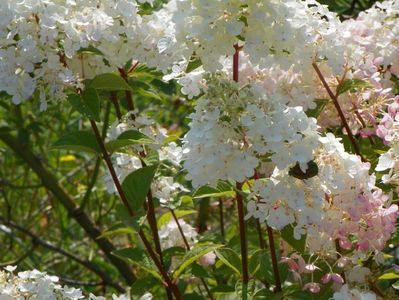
373,35
46,46
128,158
170,236
371,40
233,127
340,202
164,188
345,293
34,284
271,31
388,130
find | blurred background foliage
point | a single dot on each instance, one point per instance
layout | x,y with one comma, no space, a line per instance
36,229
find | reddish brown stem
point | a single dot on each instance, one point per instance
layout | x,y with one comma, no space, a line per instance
188,248
180,229
359,116
334,98
114,100
236,62
240,204
129,96
274,259
243,238
125,201
153,224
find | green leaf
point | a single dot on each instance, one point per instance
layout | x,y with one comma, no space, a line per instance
320,105
81,141
139,257
208,191
396,285
5,130
90,50
142,285
109,82
222,289
148,93
254,262
137,184
193,255
352,85
193,64
152,157
130,137
169,253
88,104
389,276
198,271
166,217
122,230
288,235
230,258
135,221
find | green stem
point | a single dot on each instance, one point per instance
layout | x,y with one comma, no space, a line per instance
221,219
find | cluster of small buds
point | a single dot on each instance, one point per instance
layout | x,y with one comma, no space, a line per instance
355,275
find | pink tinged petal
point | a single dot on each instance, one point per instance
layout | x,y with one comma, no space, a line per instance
342,262
326,278
378,60
310,268
393,209
344,243
301,264
313,287
296,276
337,278
291,263
363,245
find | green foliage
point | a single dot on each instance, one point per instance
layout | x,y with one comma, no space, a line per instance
132,222
139,258
127,138
193,255
230,258
82,141
352,85
222,189
137,184
109,82
288,235
166,217
88,103
389,276
320,105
